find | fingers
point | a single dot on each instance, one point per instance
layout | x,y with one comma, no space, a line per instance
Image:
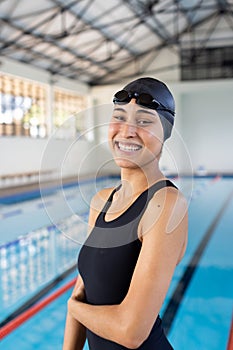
79,293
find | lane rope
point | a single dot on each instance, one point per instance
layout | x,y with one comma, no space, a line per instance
181,287
230,339
18,321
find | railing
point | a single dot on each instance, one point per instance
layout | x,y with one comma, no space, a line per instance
37,257
23,178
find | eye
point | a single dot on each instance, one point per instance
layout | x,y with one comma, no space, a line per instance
119,118
144,122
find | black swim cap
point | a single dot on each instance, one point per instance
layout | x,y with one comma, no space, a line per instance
160,92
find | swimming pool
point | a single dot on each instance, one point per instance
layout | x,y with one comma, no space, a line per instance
198,308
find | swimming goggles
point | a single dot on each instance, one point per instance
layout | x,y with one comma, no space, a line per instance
143,99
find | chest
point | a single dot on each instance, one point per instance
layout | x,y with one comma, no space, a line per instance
107,272
118,208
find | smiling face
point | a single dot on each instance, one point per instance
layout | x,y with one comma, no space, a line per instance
135,135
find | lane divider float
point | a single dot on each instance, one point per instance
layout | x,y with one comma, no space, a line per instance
18,321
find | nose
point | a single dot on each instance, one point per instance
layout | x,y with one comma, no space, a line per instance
128,130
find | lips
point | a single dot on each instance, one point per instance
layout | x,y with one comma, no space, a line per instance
128,146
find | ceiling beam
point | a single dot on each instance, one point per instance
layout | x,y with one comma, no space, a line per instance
92,24
47,39
222,5
163,45
143,19
53,63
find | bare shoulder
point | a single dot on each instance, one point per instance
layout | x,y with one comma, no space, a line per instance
167,208
164,225
97,203
168,198
100,198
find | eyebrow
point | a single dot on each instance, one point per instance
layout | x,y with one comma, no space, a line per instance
120,109
145,111
137,112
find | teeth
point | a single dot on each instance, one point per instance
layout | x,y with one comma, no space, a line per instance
128,148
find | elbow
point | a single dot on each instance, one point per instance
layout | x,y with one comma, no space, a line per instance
132,342
132,331
133,337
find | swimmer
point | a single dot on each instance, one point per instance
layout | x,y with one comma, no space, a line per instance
138,232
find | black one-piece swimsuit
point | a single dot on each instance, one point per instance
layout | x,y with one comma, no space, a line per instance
106,263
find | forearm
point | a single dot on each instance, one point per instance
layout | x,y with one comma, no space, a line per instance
75,334
107,321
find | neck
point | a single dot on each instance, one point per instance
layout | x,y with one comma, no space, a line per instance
135,181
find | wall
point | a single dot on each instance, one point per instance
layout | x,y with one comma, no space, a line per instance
29,72
207,124
63,157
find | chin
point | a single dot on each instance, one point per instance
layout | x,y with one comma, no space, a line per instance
129,164
126,164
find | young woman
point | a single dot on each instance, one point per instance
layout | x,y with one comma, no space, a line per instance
138,232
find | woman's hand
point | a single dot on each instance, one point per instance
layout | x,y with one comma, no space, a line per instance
78,295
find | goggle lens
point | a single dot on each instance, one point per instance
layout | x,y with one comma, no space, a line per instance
122,97
144,99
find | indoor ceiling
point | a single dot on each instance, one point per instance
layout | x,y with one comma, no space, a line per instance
100,42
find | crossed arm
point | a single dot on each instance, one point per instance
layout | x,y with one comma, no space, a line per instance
163,244
75,332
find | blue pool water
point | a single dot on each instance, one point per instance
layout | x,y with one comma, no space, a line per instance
30,262
41,238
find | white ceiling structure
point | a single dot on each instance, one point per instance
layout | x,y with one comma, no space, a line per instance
100,42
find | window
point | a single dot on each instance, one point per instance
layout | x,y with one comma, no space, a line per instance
67,116
23,107
207,63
